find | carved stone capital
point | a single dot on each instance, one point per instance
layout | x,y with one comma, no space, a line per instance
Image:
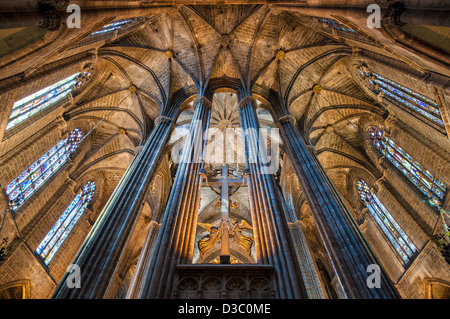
380,94
60,122
312,149
138,149
162,118
287,118
392,15
390,122
71,183
52,19
154,224
295,225
382,181
92,55
58,4
384,162
202,100
363,218
247,100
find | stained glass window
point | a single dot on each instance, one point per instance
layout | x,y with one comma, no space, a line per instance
34,103
110,30
24,185
401,242
115,25
415,101
422,178
59,232
336,25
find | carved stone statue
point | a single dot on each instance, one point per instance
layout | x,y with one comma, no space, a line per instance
207,241
235,229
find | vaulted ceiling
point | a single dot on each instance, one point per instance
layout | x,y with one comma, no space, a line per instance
232,49
279,56
199,48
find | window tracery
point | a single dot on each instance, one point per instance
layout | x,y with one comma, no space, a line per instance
422,178
31,105
110,27
24,185
336,25
59,232
402,96
398,238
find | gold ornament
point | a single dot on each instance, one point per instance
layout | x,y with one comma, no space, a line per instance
317,88
169,54
280,55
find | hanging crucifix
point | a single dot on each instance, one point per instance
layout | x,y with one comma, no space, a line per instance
227,227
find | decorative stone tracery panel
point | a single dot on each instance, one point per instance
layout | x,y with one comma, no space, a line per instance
221,282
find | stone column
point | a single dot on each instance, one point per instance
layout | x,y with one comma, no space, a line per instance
180,217
101,250
305,257
349,252
306,261
260,250
276,245
138,278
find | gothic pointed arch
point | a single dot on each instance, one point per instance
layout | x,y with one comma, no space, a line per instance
19,289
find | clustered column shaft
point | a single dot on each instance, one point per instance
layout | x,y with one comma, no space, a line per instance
346,246
275,245
305,258
177,233
101,250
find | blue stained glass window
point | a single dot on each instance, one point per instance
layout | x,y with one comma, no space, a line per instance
406,89
417,102
59,232
336,25
422,178
34,103
399,240
115,25
24,185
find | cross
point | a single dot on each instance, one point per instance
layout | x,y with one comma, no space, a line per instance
224,182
